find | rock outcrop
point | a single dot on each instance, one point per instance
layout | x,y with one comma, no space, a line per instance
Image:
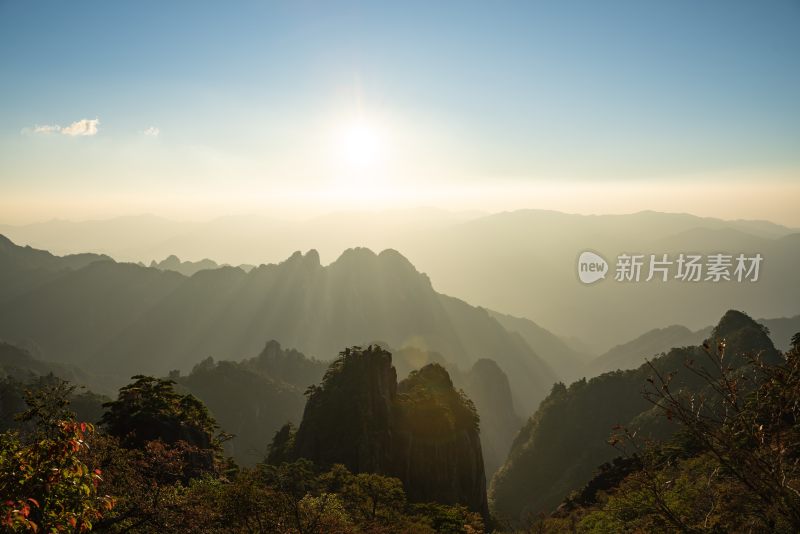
437,446
422,430
348,419
487,385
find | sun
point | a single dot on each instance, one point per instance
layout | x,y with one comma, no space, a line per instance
361,164
360,145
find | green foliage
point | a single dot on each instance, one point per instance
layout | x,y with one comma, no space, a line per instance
150,483
691,495
348,418
48,404
281,448
53,480
447,519
432,407
295,498
150,409
367,497
149,415
733,467
23,404
562,444
422,431
246,401
46,483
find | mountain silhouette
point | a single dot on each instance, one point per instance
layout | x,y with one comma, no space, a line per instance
125,318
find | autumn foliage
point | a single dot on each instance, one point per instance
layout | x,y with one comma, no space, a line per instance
46,483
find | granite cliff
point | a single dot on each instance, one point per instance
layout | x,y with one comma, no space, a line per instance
422,430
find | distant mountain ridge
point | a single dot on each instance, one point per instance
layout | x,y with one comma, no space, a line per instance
647,346
254,397
19,364
653,343
187,268
127,319
568,364
529,258
520,262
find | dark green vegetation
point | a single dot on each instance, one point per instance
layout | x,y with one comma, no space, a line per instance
658,341
19,372
731,467
253,398
156,465
704,439
150,410
562,444
422,430
488,388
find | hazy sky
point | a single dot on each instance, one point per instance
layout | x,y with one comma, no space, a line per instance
189,109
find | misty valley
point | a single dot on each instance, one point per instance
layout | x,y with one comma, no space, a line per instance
353,396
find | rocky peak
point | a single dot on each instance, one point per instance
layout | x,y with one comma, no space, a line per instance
433,377
271,350
311,258
743,336
347,418
732,321
422,431
5,243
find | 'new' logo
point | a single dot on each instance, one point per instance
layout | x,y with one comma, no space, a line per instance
591,267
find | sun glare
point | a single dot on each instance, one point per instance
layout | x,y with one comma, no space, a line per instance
360,145
360,172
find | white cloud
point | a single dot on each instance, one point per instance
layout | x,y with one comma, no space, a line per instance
82,127
46,128
152,131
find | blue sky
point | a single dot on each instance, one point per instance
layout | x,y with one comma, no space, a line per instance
247,98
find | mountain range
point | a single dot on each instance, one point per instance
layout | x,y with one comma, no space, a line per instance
96,321
119,319
522,263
